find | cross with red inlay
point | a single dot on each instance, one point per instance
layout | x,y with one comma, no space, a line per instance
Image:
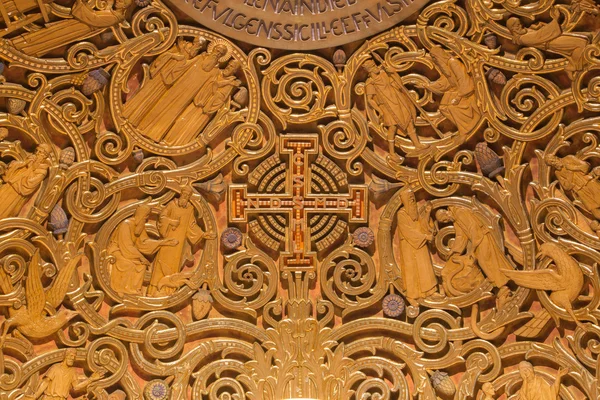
300,202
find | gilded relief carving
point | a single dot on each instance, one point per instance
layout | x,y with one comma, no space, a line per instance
249,215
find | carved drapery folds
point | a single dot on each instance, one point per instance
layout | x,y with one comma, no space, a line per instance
184,216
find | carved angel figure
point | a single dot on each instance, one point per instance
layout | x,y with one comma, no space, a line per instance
84,23
550,37
459,103
21,179
61,379
565,281
35,320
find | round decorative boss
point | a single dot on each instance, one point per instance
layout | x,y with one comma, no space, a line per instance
363,237
231,238
156,390
393,305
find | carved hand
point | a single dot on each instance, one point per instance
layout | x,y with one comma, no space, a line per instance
209,235
170,242
97,375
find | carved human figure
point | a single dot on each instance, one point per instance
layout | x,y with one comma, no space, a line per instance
21,179
575,176
386,94
162,74
213,96
550,37
203,68
61,379
489,393
177,221
418,276
535,387
483,246
459,103
128,245
84,23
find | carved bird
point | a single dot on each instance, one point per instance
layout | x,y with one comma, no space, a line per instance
565,281
35,319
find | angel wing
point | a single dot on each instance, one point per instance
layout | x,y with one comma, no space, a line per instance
534,326
34,291
56,294
545,279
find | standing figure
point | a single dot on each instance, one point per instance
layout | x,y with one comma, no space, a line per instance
61,379
128,246
459,103
177,221
163,73
550,37
418,276
22,179
574,175
212,97
388,97
168,108
535,387
470,229
84,23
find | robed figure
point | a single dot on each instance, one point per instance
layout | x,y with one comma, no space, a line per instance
550,37
574,175
470,229
21,179
162,74
177,221
459,103
386,94
168,108
84,23
211,98
535,387
128,247
418,276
